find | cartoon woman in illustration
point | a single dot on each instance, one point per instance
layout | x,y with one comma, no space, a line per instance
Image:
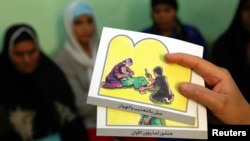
120,71
159,86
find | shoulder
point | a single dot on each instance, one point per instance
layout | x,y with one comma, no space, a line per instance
226,38
65,62
194,35
61,54
49,71
190,28
48,64
62,58
222,44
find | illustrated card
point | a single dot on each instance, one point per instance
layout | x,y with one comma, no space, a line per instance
131,74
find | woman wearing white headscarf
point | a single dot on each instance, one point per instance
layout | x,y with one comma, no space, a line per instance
77,57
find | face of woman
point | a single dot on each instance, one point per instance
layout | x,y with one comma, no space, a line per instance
128,63
83,29
164,16
25,56
245,15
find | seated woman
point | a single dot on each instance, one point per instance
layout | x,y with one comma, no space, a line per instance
34,93
122,76
119,72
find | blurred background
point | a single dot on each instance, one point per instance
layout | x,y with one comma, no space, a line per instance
211,17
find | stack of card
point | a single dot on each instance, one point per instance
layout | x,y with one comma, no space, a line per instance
136,90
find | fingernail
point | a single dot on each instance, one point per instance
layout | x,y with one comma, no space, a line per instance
184,86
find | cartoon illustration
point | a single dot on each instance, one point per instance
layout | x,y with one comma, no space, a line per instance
122,76
159,86
149,120
121,71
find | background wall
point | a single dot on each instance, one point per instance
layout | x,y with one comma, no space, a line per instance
211,17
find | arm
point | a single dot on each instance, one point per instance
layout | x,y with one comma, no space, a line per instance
149,86
221,96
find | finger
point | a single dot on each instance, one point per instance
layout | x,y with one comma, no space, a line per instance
200,94
199,65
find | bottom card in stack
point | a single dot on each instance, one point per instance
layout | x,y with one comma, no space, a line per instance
113,122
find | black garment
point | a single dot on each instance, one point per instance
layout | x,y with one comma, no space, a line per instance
162,90
230,51
37,91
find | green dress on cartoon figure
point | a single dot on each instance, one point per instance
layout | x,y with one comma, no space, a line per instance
136,82
149,120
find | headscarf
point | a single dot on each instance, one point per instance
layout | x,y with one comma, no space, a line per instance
231,46
37,91
74,10
14,35
236,21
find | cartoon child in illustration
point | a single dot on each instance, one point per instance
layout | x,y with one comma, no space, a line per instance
119,72
149,120
159,86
